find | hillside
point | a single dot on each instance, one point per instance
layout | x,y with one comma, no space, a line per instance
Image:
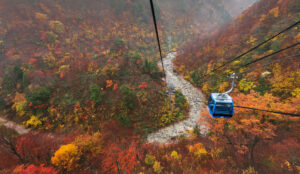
251,141
80,79
59,56
260,22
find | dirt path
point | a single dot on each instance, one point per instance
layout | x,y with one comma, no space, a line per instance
12,125
194,97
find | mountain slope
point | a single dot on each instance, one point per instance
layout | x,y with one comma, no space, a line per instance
259,22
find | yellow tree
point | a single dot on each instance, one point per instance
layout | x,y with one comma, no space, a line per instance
66,157
90,147
19,104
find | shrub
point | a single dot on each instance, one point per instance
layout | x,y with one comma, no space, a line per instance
197,78
25,81
11,78
119,43
263,86
33,122
150,159
2,103
89,145
57,26
19,104
39,97
167,117
246,86
95,93
129,97
150,67
180,100
51,37
68,99
157,167
174,155
124,120
198,150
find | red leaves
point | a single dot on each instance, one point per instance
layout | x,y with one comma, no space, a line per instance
139,61
36,148
36,74
32,169
120,146
143,85
40,106
58,51
109,83
62,74
115,86
37,106
126,155
33,62
92,102
43,36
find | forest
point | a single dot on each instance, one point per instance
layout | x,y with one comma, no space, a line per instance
82,86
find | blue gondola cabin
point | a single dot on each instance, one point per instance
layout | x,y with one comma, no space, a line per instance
220,105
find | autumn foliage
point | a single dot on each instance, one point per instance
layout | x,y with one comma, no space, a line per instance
83,77
32,169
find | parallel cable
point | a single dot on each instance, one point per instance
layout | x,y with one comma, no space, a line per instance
157,35
257,46
276,52
264,57
275,61
275,112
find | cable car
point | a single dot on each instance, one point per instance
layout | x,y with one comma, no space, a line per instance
220,105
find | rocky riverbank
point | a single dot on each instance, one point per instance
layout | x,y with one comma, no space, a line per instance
195,98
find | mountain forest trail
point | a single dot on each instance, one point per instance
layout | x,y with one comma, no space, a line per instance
195,98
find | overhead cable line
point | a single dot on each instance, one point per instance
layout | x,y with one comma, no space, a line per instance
270,111
275,112
157,35
257,46
264,57
275,61
276,52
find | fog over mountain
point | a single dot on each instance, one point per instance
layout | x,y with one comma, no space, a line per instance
236,7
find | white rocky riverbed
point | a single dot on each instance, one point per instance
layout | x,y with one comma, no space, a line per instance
12,125
195,98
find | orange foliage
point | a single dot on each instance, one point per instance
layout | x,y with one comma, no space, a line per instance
109,83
